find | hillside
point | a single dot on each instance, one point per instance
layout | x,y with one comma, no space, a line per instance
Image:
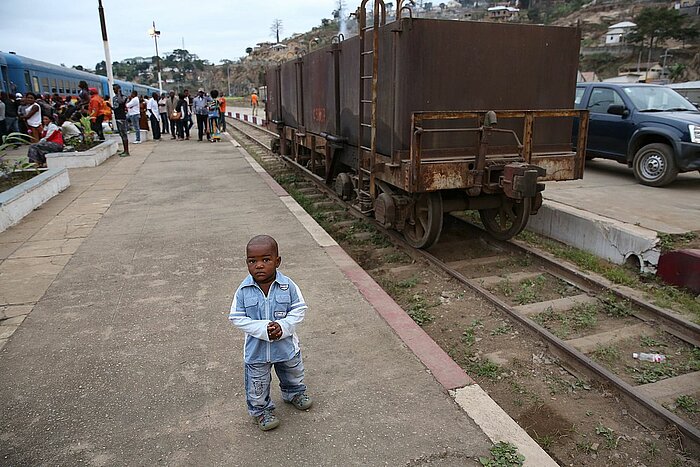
605,61
246,73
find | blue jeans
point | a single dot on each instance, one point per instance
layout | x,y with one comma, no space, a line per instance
134,123
258,377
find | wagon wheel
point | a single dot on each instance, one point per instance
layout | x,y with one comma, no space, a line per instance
507,220
424,224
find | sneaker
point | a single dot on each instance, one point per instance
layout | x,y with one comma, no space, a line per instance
137,142
267,421
301,401
124,154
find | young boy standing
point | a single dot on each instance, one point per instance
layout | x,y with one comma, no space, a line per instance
267,307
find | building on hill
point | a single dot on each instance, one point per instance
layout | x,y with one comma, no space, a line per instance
587,77
503,13
645,72
617,32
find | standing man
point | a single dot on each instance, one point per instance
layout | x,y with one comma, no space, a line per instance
11,123
83,96
199,107
119,108
170,106
133,108
254,102
188,121
96,113
154,115
163,109
222,113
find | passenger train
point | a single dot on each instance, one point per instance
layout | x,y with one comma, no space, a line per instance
22,74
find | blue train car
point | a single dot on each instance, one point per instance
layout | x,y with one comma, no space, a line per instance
22,74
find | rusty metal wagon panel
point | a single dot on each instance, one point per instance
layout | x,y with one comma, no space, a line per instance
409,113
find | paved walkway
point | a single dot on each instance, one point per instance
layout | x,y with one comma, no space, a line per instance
127,356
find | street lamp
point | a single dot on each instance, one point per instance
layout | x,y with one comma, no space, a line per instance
155,34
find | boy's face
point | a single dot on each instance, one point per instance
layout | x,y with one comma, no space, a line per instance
262,262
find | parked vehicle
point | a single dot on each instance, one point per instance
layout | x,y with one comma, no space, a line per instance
652,129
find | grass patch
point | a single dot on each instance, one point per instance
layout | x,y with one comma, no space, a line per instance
485,368
646,341
504,328
418,311
395,257
670,242
580,317
408,283
503,455
616,308
505,288
530,290
610,439
607,354
469,334
652,372
687,404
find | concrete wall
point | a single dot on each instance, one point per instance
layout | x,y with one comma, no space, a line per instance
91,158
19,201
610,239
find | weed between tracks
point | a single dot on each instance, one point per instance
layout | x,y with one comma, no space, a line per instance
569,416
663,295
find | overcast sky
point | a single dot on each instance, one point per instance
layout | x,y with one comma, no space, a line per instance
68,31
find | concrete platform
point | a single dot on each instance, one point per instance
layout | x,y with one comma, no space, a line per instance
609,214
120,352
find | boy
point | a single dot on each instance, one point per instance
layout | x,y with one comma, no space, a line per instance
268,306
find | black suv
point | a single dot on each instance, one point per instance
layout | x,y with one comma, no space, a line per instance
651,128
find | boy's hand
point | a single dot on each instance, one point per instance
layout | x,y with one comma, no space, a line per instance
274,330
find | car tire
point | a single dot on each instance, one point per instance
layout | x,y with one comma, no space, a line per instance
654,165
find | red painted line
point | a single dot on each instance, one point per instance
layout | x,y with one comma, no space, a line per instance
443,368
276,187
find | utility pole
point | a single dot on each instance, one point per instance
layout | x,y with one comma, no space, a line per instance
155,34
228,77
664,72
108,58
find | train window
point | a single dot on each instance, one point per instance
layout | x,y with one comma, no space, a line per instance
60,86
35,84
54,86
45,84
27,80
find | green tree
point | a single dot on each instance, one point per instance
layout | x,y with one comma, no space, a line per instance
655,25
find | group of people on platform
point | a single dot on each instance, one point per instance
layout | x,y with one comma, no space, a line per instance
49,120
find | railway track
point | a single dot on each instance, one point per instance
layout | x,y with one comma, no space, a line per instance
591,325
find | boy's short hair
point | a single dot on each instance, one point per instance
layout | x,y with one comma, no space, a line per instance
264,240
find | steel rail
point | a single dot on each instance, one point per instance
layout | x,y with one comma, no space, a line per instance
573,355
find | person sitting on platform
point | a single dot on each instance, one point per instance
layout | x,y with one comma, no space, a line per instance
52,141
270,337
68,128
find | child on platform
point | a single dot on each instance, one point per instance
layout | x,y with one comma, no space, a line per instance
267,307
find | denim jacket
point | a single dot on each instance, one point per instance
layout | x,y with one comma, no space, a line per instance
251,311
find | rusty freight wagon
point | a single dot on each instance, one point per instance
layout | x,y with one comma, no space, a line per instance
418,117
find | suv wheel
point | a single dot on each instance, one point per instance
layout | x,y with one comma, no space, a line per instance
654,165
